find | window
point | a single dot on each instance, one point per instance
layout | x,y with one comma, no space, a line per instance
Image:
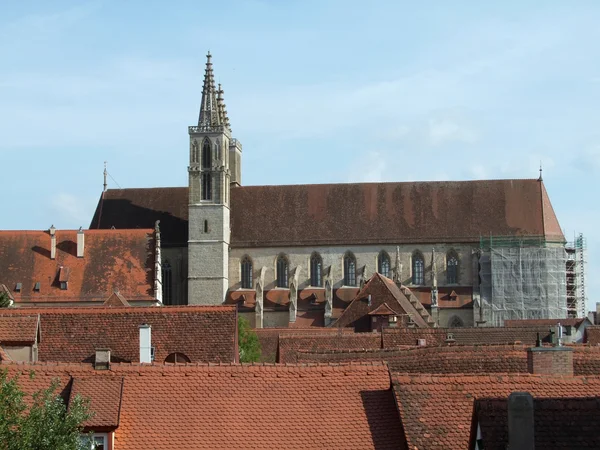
349,270
63,285
206,226
167,286
316,270
452,268
206,155
195,152
455,322
282,271
383,264
95,441
418,268
206,186
246,273
177,358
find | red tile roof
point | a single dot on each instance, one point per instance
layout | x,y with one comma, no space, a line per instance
202,333
105,395
559,423
402,337
383,310
436,410
232,406
381,290
592,334
290,344
4,356
329,214
18,329
543,322
113,259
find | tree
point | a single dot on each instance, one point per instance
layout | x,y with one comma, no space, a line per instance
248,342
42,423
4,300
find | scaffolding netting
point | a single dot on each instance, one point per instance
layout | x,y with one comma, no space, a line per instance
523,283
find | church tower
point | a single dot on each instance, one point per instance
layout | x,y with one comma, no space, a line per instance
210,178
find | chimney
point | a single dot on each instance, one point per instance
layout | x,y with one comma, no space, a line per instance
520,421
102,361
80,243
550,361
145,343
52,242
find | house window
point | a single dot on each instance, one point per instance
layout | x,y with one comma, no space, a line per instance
452,268
418,268
177,358
349,270
206,155
206,186
95,441
383,264
316,270
282,271
63,285
167,286
246,273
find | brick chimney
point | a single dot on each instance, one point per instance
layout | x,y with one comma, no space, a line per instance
102,361
52,242
550,361
80,243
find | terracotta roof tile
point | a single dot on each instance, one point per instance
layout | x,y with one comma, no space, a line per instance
22,328
122,259
169,407
329,214
105,399
202,333
592,334
436,410
543,322
290,344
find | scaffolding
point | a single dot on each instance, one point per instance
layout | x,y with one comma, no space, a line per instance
522,278
576,261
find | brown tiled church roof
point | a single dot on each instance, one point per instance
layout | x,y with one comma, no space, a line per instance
113,259
329,214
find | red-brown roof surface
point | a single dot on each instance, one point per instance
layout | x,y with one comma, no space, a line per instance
592,334
543,322
105,396
290,343
381,290
21,329
231,406
113,259
202,333
402,337
436,410
329,214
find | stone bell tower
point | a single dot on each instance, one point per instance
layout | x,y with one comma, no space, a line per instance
209,185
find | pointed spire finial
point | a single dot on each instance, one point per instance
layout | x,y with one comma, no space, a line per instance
105,173
540,178
209,109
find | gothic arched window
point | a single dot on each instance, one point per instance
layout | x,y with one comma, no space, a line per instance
455,322
167,283
418,268
246,273
316,270
451,268
349,269
206,155
206,186
384,264
282,271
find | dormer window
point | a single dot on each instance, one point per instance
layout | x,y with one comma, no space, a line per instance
63,285
18,287
37,286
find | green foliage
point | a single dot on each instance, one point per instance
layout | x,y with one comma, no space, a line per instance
44,423
248,342
4,300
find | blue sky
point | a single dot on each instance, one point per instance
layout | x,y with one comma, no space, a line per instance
317,91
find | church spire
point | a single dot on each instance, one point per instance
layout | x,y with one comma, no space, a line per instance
222,108
210,116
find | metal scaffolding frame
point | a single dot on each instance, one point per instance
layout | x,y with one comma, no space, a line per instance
576,262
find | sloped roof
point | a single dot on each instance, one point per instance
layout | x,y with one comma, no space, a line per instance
401,337
202,333
122,259
116,299
383,310
216,407
21,329
573,322
382,290
291,343
330,214
436,410
105,398
558,423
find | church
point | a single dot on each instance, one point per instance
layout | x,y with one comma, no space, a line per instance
472,253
